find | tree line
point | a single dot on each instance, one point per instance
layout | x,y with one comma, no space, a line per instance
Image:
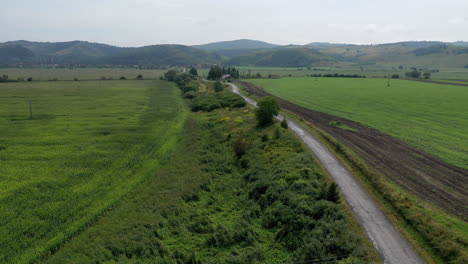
216,72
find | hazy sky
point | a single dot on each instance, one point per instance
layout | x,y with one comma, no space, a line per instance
146,22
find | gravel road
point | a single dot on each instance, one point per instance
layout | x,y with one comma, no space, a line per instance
388,241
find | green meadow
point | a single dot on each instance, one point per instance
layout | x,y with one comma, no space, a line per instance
432,117
85,147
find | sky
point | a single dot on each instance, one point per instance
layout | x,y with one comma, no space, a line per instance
133,23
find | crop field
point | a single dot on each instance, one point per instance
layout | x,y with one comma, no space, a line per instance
86,145
46,74
432,117
368,71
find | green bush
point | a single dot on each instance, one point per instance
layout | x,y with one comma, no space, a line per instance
268,107
208,102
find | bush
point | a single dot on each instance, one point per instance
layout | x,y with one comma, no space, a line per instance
29,79
284,123
240,147
122,78
139,77
209,102
189,95
395,76
218,86
268,107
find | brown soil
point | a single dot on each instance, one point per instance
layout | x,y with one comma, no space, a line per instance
449,83
422,173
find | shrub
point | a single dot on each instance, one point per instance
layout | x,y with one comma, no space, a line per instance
284,123
268,107
240,147
122,78
189,95
139,77
332,194
277,134
29,79
395,76
218,86
209,102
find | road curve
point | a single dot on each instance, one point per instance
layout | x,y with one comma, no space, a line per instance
387,240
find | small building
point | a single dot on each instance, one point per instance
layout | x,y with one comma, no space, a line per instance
225,76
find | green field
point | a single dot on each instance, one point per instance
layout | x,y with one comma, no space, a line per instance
432,117
86,146
367,70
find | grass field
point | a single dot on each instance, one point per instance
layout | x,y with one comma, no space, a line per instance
86,146
368,71
432,117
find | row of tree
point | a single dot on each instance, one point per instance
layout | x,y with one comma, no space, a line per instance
336,75
217,72
418,75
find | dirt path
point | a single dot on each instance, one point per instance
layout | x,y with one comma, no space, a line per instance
419,172
391,245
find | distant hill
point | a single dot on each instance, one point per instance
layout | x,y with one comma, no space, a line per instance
431,54
162,55
419,54
284,57
11,54
82,52
326,44
240,44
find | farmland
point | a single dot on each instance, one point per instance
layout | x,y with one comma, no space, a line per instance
86,145
429,116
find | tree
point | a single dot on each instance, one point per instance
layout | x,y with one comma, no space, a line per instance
218,86
413,74
466,66
215,73
268,107
427,75
395,76
139,76
193,72
171,75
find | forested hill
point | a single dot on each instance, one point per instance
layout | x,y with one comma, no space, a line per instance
235,53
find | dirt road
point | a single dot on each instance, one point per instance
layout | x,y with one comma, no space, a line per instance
391,245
